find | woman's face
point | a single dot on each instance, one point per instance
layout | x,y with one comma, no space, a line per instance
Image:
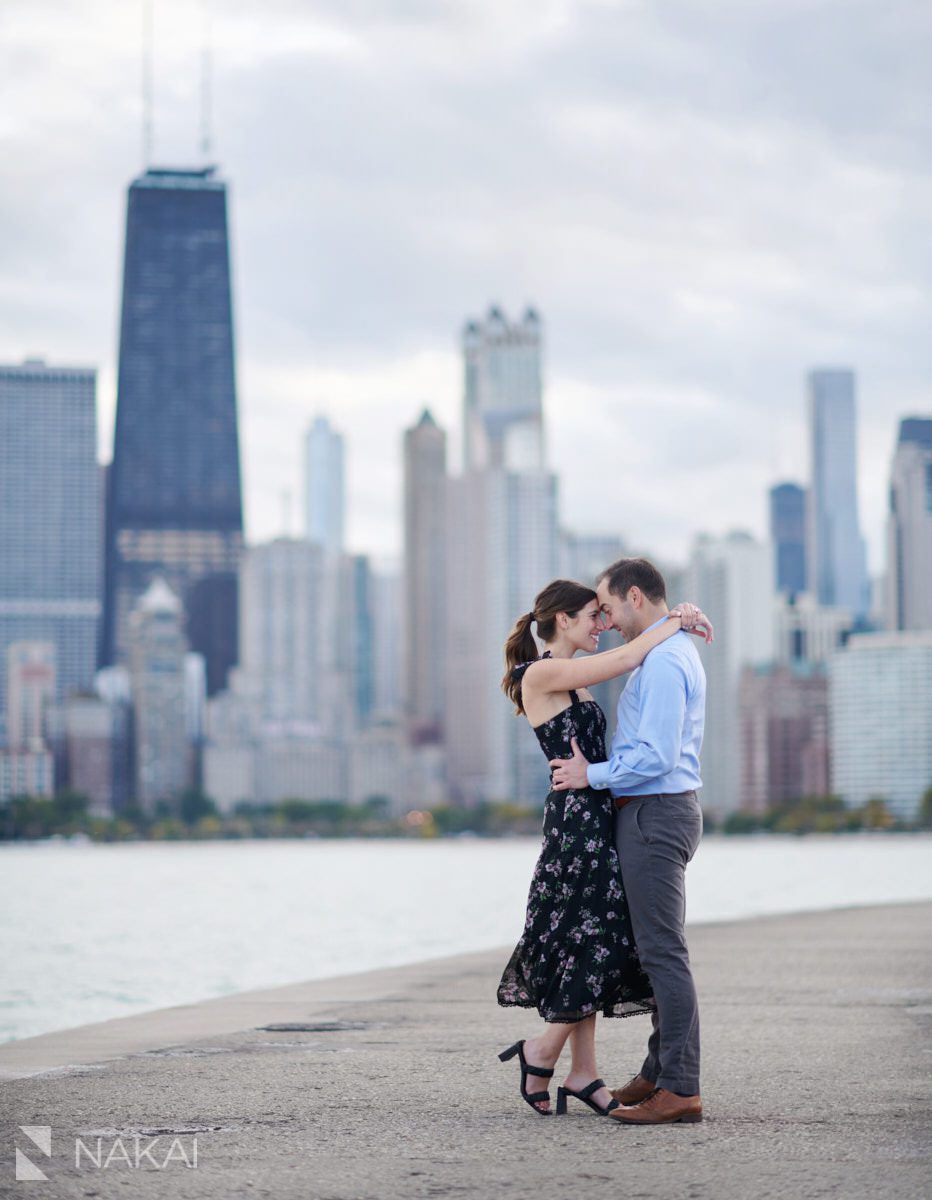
584,628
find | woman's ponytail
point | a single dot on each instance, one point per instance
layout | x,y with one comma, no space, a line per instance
520,648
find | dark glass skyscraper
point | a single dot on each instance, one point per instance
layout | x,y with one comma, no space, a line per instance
788,535
173,497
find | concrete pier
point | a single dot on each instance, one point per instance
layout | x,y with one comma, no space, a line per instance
816,1041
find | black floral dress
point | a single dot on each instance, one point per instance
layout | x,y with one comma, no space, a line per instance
577,955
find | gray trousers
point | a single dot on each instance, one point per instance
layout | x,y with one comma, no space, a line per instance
656,836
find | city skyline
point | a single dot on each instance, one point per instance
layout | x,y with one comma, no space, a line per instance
695,251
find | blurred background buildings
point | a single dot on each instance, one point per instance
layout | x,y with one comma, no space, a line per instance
147,653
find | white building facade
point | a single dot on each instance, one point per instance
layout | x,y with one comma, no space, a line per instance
881,720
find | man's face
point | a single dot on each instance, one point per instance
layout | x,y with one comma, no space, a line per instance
617,613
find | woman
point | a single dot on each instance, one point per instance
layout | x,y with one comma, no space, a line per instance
577,955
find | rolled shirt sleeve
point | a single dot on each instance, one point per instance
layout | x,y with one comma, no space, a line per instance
654,749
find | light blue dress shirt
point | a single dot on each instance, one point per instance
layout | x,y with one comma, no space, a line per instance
661,717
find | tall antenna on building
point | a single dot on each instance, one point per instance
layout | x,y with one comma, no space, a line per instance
205,85
146,83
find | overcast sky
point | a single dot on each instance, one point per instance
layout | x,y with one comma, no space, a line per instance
703,198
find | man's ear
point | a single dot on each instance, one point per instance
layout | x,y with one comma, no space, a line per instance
636,596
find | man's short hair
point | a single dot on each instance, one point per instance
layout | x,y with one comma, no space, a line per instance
627,573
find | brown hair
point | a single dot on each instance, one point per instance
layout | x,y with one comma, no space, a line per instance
627,573
560,596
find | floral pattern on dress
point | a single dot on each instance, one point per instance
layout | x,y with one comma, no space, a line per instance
577,955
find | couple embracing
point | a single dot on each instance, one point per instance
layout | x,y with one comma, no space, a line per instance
604,929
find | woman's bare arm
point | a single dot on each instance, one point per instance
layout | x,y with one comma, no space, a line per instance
565,674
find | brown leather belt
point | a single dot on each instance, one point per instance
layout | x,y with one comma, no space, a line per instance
621,801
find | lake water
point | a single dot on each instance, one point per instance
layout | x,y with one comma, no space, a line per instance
91,932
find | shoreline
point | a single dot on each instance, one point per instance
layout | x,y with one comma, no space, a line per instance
81,839
115,1037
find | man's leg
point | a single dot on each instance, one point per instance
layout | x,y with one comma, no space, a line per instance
656,838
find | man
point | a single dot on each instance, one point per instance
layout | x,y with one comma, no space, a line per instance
653,773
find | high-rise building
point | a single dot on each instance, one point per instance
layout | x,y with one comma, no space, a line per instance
503,422
837,569
92,738
30,689
909,528
732,577
173,506
353,635
788,537
387,623
784,733
157,650
809,632
26,773
881,720
50,518
324,486
424,582
281,630
503,548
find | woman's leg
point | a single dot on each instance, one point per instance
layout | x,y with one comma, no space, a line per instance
582,1068
543,1051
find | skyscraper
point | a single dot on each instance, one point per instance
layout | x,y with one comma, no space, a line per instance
837,572
424,599
783,727
281,630
909,528
157,649
502,548
324,485
387,620
173,504
30,685
788,537
50,518
881,719
502,394
733,576
353,636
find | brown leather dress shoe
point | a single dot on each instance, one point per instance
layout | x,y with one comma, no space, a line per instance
634,1091
661,1108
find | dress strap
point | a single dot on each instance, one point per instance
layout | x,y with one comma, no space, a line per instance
517,672
574,697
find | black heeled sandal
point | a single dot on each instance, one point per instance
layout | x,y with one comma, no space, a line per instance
584,1095
544,1072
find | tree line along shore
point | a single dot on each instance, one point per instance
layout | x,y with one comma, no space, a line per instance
196,817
